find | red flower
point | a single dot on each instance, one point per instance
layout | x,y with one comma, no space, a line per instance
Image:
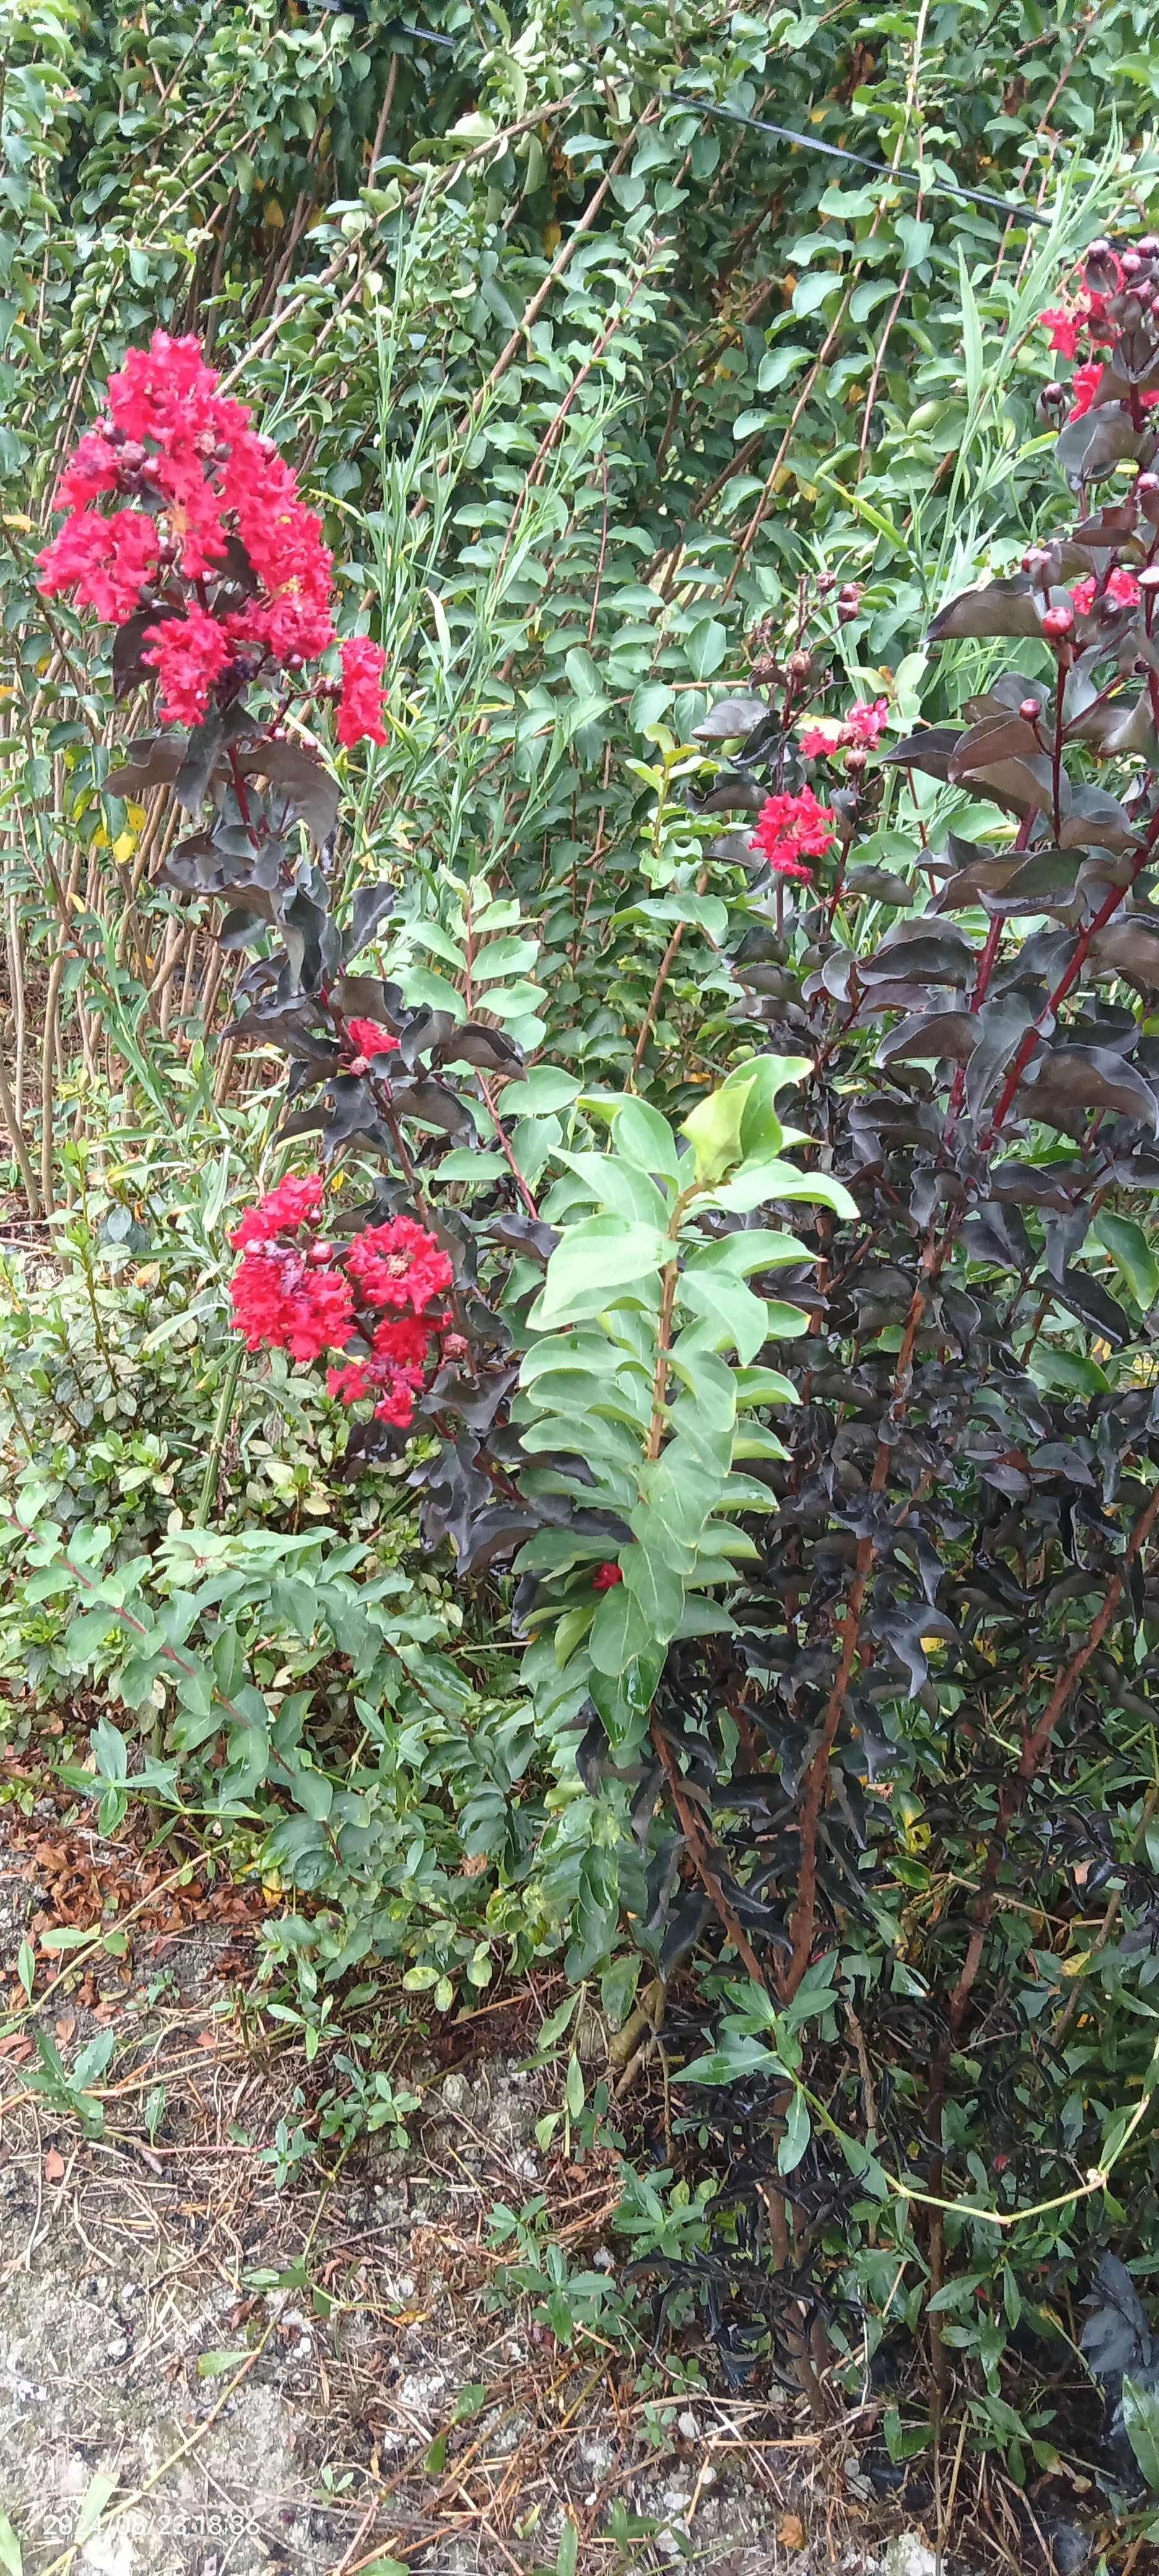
360,710
281,1299
105,561
1066,329
1084,385
1121,587
865,723
605,1576
816,744
95,468
788,826
398,1264
393,1372
368,1037
188,654
292,1204
283,540
168,389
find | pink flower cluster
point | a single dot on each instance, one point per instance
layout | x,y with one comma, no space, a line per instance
197,477
293,1292
1121,587
790,828
861,728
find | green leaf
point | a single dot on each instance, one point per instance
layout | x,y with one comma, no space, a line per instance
26,1967
971,331
1141,2424
618,1987
596,1258
100,2487
574,2087
706,647
765,1183
568,2550
726,2065
11,2559
798,2131
539,1093
1130,1250
646,1139
621,1630
216,2365
654,1583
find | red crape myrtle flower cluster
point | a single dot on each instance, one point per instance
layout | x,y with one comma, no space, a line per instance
375,1300
860,730
193,481
1095,313
792,828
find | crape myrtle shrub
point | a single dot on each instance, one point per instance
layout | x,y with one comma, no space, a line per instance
852,1712
889,1878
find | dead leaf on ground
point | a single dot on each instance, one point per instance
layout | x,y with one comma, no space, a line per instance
791,2531
54,2167
65,2028
16,2047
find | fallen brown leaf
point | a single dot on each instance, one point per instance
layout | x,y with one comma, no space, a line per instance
54,2165
65,2028
17,2046
791,2531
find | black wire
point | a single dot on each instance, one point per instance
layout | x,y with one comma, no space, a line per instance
808,143
836,152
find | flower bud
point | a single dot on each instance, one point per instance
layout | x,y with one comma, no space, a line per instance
800,665
856,758
826,584
359,1064
1058,621
1130,263
132,455
1029,710
848,603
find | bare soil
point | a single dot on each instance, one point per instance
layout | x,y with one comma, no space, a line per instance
310,2376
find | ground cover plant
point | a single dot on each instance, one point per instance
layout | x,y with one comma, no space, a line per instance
581,953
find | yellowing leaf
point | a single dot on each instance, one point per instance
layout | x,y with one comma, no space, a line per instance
124,846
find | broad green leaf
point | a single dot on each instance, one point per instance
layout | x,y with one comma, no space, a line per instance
1130,1250
597,1257
619,1185
646,1139
765,1183
620,1632
726,2065
538,1093
656,1585
798,2131
217,2365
